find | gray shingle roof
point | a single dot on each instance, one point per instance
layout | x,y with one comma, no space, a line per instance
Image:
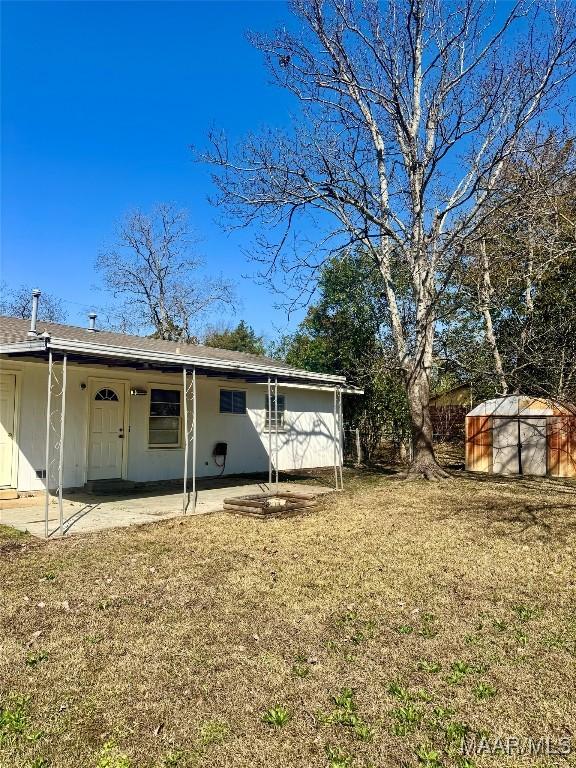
13,329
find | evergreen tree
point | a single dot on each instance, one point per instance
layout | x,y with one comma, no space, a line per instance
346,333
243,338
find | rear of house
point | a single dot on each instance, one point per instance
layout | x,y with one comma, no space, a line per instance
80,406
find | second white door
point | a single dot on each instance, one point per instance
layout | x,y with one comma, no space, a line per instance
7,423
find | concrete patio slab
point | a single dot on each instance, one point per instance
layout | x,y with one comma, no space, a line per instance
86,513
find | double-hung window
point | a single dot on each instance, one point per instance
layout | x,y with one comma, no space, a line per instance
165,420
232,401
271,413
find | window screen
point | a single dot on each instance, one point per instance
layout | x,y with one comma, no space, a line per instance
232,401
164,425
271,413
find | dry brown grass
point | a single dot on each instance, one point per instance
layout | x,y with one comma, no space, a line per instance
169,641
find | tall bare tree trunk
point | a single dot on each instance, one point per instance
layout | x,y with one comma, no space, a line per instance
420,423
528,294
424,464
485,295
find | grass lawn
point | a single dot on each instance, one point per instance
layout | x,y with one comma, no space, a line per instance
374,632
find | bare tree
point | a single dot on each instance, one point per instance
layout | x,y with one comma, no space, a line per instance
526,242
17,302
153,269
410,108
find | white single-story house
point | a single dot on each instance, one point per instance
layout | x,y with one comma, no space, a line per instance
81,406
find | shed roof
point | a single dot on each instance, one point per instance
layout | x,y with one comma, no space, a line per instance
522,405
127,350
459,396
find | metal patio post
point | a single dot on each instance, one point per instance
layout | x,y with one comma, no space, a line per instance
61,451
269,433
194,433
185,403
276,427
341,436
334,444
47,452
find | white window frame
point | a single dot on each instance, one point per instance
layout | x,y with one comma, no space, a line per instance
232,413
164,446
281,414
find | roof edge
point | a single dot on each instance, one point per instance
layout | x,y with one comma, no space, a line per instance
132,353
23,346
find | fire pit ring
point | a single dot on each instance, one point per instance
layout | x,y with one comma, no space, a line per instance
268,505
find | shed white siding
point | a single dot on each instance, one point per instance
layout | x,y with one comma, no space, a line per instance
508,434
505,446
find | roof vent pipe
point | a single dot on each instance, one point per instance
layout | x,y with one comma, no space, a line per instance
92,321
34,316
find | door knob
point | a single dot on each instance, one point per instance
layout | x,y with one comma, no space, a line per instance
10,435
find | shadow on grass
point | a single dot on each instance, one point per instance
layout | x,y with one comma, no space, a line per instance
514,506
523,482
352,475
544,507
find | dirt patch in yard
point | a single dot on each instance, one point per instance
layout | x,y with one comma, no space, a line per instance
378,631
12,540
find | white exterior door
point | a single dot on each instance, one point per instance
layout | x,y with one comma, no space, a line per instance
7,414
106,437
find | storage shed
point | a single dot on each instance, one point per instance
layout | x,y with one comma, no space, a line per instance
522,435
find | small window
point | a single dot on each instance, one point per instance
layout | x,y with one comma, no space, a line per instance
271,413
164,425
106,394
232,401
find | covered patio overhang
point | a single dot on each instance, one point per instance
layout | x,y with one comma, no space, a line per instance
60,353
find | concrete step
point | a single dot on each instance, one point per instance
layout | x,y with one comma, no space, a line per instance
111,487
7,494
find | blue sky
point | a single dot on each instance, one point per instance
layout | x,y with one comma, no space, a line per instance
101,101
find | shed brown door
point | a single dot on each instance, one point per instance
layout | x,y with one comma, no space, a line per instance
562,446
479,443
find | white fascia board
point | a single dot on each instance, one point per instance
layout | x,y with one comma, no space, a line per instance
320,387
22,346
69,345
